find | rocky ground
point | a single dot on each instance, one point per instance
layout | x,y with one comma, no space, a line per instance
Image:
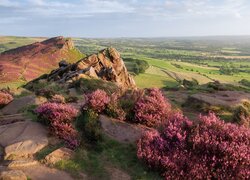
21,138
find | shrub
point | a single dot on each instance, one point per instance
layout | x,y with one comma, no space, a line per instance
60,117
90,126
127,102
152,108
5,98
71,99
210,149
66,132
241,114
97,100
49,112
90,85
113,108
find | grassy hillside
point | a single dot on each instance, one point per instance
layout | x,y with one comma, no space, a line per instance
170,59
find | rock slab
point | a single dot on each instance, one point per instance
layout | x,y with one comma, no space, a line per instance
58,155
22,139
13,175
121,130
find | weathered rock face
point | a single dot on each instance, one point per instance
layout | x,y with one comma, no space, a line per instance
22,139
13,175
107,65
58,155
30,61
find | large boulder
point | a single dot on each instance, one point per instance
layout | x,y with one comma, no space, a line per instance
22,139
122,131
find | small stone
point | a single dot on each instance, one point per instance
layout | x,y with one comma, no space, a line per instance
58,155
63,63
13,175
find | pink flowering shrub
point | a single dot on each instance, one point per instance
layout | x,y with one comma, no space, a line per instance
50,112
97,100
66,132
151,108
209,149
60,117
5,98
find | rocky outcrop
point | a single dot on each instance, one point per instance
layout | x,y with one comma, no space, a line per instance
107,65
30,61
22,139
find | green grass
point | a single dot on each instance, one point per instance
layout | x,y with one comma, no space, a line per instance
153,80
12,85
92,161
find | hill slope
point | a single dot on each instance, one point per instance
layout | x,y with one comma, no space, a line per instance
30,61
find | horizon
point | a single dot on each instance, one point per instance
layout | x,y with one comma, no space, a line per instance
118,19
131,37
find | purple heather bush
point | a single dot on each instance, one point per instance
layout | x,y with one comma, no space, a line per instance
152,108
50,112
208,149
5,98
97,100
60,117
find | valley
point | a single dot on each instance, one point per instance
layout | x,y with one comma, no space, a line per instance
124,108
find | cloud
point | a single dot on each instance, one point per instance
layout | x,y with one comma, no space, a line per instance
125,16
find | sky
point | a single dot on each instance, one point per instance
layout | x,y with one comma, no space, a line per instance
124,18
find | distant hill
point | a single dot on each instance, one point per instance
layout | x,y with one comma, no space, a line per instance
30,61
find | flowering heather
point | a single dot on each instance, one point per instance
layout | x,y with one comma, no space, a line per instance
151,108
209,149
60,117
66,132
5,98
97,100
56,112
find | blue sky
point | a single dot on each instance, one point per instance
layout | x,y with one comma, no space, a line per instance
124,18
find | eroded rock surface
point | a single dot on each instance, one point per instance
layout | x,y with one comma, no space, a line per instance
58,155
19,103
107,65
13,175
22,139
120,130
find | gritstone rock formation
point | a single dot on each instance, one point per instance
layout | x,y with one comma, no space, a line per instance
107,65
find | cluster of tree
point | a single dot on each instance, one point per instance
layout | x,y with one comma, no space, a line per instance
229,69
245,82
139,66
